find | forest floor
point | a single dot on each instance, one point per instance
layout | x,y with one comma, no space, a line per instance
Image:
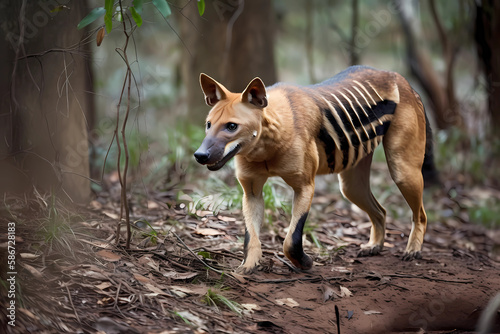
178,274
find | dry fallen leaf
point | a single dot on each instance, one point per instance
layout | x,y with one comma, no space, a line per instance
345,292
94,274
100,36
179,276
193,290
372,312
28,256
227,219
341,269
208,231
328,293
156,290
196,321
251,307
111,214
104,285
147,260
32,270
141,278
287,301
108,255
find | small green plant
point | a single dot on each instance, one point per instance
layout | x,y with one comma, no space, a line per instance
221,197
486,213
277,194
214,298
338,250
55,225
309,230
459,152
180,315
151,234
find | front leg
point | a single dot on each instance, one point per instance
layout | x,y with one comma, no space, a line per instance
253,212
292,247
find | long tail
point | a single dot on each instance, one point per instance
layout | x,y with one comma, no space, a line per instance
429,171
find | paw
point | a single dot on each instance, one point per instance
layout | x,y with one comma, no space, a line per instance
245,269
412,255
300,260
369,250
250,264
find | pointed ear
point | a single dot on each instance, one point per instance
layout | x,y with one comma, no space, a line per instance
214,91
255,93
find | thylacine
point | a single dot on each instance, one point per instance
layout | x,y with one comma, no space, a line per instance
298,132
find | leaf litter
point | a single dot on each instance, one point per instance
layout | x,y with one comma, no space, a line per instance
158,286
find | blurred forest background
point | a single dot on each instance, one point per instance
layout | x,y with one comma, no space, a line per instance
60,90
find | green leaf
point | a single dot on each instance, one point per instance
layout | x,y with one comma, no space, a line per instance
201,7
108,21
138,6
136,16
93,15
162,7
108,5
206,255
108,17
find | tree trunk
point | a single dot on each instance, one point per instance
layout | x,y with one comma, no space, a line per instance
440,94
487,36
44,99
233,42
354,52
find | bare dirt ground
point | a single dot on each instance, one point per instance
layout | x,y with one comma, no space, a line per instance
178,277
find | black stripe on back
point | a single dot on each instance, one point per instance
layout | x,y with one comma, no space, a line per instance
347,124
382,108
381,129
325,137
344,143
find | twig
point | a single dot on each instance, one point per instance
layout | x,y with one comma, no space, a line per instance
337,316
117,294
196,256
122,176
73,306
428,278
301,279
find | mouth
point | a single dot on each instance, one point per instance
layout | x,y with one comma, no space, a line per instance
219,164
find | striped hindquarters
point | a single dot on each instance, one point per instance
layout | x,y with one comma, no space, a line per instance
355,119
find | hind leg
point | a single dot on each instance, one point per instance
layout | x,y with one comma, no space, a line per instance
355,186
411,184
404,146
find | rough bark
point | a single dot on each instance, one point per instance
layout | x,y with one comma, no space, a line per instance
44,99
487,36
232,42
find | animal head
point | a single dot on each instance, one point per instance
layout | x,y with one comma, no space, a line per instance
233,124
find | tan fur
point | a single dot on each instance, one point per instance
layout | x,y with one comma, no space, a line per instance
287,121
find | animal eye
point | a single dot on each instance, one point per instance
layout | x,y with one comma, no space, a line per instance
231,126
209,125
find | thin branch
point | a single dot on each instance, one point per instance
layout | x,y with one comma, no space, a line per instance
229,35
439,27
73,306
14,137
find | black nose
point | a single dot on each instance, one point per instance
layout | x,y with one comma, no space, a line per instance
201,157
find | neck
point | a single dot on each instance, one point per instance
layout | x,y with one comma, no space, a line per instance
274,136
